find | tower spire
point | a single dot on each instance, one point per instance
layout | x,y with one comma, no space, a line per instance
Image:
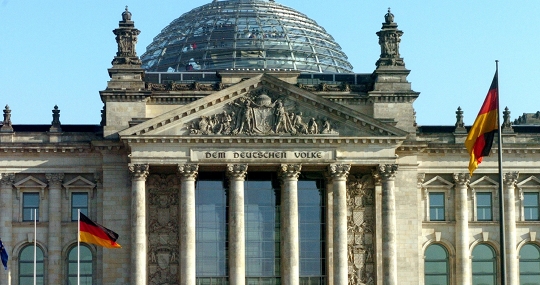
389,39
126,38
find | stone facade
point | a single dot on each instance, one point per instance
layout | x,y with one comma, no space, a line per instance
140,169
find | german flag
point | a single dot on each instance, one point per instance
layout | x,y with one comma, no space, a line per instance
97,234
480,137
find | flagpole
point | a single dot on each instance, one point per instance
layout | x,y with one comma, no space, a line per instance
78,246
35,243
501,193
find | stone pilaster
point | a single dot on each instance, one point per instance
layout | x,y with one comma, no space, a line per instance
55,223
463,260
138,223
6,218
387,174
338,174
237,235
188,174
329,229
512,262
290,242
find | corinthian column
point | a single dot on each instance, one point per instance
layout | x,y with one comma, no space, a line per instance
290,249
138,223
387,174
463,264
6,218
338,174
237,235
512,273
188,174
55,221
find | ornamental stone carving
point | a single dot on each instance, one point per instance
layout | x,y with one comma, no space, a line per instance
290,171
55,179
139,171
360,230
237,171
461,178
387,171
389,39
6,123
188,170
7,179
126,38
261,114
163,229
339,171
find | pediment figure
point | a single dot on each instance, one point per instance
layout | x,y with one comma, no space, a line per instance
263,106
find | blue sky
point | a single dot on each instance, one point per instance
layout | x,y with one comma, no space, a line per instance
57,52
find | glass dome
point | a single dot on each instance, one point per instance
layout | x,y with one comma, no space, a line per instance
244,34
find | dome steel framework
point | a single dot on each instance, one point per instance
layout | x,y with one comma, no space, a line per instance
242,34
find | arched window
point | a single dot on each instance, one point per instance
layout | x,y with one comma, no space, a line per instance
436,266
85,266
26,265
484,265
529,265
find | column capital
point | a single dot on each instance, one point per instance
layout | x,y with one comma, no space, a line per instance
7,179
139,171
54,179
339,171
188,170
290,171
385,171
510,177
461,179
237,171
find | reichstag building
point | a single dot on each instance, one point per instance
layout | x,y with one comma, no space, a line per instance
241,148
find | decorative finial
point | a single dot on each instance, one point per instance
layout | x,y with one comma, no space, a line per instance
6,124
389,17
460,125
126,15
507,125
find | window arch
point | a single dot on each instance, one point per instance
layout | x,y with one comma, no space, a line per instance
26,265
85,265
436,265
529,264
484,265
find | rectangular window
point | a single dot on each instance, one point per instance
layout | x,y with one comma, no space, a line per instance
30,203
483,207
530,206
79,201
211,228
311,214
436,206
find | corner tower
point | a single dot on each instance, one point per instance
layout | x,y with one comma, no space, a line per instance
392,95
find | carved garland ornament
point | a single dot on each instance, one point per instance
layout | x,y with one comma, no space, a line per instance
360,230
260,114
163,229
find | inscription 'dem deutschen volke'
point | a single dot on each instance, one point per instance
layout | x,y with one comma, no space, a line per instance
261,154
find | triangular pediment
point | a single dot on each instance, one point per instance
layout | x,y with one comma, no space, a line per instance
79,182
30,182
264,106
484,182
438,182
530,182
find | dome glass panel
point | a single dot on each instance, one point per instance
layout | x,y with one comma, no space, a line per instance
252,34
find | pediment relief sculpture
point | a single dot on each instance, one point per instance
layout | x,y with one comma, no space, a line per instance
262,114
